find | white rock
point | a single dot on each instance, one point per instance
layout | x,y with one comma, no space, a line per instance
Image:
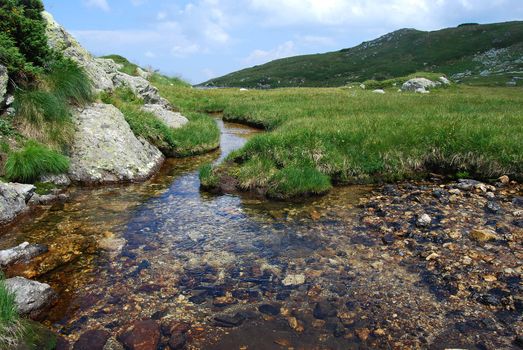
105,150
4,80
140,87
418,83
422,91
424,220
13,200
444,81
172,119
24,251
243,89
143,74
30,296
379,91
294,280
362,86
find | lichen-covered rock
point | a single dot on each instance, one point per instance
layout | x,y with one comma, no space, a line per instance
31,297
4,79
418,83
58,180
22,252
60,40
142,73
13,200
141,88
172,119
106,150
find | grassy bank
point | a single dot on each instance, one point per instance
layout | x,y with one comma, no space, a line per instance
320,137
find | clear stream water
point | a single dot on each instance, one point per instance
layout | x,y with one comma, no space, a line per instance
192,256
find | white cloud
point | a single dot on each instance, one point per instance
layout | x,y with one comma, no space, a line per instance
101,4
286,49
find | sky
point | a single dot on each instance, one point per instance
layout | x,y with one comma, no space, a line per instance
202,39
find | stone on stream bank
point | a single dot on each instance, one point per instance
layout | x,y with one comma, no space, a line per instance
13,200
21,253
31,297
107,151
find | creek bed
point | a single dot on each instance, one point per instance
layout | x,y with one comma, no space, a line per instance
245,273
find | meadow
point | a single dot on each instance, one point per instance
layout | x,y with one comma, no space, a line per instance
320,137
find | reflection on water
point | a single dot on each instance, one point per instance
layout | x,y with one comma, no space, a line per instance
195,257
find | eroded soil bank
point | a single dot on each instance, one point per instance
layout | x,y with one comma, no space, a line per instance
414,265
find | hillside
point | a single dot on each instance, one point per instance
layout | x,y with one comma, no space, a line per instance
485,54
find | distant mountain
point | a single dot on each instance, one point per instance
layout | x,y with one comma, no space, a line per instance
489,53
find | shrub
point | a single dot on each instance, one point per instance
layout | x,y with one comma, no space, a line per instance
33,161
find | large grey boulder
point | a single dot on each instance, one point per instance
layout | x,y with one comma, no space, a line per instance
172,119
4,79
418,83
22,252
31,297
13,200
106,150
141,88
60,40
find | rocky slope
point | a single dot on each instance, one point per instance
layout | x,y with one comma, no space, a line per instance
492,52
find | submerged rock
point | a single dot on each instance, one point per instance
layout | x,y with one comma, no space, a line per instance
483,235
294,280
31,297
106,151
92,340
144,335
324,310
13,200
22,252
171,119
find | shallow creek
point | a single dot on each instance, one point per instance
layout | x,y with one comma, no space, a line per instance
302,276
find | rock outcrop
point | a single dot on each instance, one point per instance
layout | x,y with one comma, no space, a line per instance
107,151
31,297
170,118
418,83
141,88
4,79
60,40
13,200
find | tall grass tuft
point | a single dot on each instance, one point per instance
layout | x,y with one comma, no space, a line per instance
12,329
70,83
33,161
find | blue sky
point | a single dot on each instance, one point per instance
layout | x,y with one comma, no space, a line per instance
202,39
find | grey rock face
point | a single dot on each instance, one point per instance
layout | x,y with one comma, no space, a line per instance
4,79
22,252
59,180
418,83
60,40
172,119
31,297
106,150
13,200
141,88
142,73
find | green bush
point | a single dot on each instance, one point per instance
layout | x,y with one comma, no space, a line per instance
21,21
11,327
33,161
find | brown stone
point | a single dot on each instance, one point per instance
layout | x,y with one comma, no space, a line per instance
363,333
144,335
483,235
92,340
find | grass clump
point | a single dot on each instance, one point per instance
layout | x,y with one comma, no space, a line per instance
12,329
296,181
32,161
208,178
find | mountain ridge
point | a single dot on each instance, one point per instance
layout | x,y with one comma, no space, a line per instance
455,51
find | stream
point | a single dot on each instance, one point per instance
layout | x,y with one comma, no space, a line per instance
242,272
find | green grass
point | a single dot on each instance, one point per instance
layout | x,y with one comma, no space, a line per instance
208,179
32,161
397,54
12,328
328,136
198,136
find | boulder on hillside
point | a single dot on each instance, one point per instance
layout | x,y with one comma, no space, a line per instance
418,83
141,88
444,81
142,73
31,297
4,80
105,150
13,200
60,40
172,119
